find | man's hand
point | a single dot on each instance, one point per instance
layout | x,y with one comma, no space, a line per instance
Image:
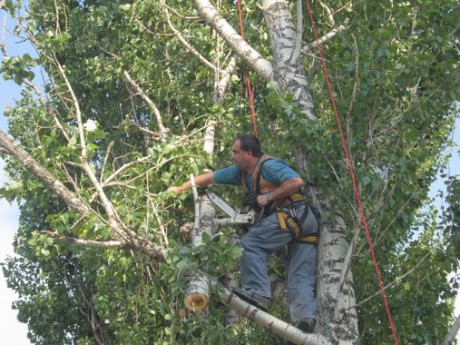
283,190
263,199
174,189
200,180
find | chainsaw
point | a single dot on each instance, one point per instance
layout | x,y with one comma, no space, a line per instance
246,216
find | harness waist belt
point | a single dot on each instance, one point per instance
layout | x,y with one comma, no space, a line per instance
289,223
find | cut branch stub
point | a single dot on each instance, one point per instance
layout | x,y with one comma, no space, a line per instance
197,293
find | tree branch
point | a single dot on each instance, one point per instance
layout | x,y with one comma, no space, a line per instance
149,102
74,202
250,56
50,109
76,106
86,243
187,46
394,282
331,34
270,322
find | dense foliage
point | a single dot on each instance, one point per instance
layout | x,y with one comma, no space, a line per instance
393,66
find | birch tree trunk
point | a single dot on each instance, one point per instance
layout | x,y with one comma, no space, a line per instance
287,71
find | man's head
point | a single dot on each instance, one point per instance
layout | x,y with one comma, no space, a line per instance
250,143
246,151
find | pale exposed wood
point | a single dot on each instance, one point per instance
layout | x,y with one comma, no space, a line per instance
197,293
86,243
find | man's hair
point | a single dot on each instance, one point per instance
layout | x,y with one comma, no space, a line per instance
249,142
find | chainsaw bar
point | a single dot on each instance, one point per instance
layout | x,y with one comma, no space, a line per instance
221,204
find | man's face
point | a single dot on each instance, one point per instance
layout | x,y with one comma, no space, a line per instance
240,157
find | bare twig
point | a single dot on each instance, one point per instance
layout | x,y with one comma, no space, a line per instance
356,84
187,45
180,15
330,14
149,102
51,110
394,282
76,106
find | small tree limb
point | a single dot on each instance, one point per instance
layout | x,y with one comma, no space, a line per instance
86,243
187,45
149,102
331,34
75,203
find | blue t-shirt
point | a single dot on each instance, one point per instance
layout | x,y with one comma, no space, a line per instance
275,171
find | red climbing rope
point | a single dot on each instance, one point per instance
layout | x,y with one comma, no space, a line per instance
352,174
248,81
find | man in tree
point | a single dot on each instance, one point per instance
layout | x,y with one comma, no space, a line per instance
289,221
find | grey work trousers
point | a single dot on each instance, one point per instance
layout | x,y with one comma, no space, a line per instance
266,237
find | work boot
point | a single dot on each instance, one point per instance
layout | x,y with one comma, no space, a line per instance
305,325
256,300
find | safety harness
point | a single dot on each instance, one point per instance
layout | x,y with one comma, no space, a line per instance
288,220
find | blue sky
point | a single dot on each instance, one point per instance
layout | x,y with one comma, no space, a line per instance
12,331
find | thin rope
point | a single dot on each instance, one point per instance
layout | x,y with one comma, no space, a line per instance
248,81
352,174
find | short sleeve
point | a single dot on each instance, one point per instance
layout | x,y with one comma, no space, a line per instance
230,175
277,171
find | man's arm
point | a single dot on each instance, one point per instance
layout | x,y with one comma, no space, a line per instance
283,190
203,180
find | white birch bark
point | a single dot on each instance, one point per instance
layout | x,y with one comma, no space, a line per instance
270,322
287,71
260,65
197,292
337,317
